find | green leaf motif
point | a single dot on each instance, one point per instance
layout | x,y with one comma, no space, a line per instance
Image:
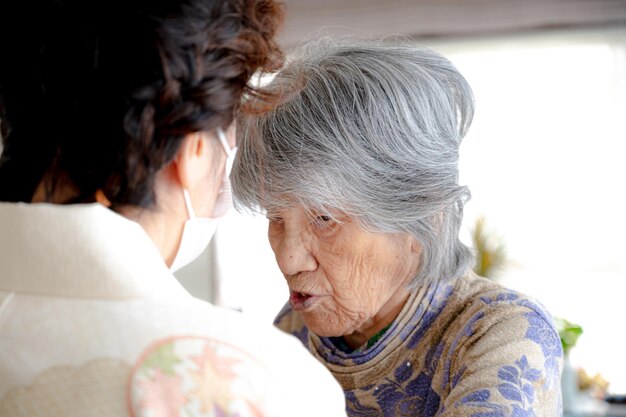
162,358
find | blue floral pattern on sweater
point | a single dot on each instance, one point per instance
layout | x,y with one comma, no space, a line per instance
470,348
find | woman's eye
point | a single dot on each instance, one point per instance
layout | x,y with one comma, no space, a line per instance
324,222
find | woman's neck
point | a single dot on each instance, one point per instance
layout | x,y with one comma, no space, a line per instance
385,316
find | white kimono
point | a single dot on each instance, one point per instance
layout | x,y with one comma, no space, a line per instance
93,323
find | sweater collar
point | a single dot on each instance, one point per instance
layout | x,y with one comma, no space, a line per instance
418,313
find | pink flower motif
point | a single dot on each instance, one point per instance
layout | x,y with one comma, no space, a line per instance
212,380
162,394
210,361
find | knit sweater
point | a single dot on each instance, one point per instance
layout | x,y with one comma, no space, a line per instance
466,348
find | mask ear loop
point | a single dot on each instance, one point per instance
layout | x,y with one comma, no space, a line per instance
190,211
222,137
225,197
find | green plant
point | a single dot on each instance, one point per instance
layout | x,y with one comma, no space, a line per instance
489,250
568,332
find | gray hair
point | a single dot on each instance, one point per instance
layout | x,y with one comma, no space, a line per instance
369,129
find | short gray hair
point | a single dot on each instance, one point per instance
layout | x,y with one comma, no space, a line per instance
370,129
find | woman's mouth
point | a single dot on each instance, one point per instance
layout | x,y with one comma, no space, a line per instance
301,301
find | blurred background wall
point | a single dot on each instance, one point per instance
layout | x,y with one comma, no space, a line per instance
427,19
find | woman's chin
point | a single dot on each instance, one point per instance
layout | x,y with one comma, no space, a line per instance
321,326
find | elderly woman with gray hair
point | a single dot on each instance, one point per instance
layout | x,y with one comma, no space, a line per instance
356,167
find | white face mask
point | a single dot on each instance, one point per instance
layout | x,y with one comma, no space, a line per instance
198,231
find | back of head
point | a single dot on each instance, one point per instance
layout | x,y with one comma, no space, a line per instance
371,129
98,95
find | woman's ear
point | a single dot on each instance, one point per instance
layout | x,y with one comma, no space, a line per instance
192,161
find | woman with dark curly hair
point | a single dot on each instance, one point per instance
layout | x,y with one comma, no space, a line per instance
113,173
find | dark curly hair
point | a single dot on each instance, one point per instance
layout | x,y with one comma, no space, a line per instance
99,94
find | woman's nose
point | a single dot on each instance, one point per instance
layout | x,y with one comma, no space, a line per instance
293,254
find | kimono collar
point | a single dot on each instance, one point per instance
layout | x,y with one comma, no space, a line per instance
82,250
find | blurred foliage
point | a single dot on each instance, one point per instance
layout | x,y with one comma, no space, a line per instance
595,385
489,250
568,332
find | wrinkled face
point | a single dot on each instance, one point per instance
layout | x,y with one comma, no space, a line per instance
342,279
